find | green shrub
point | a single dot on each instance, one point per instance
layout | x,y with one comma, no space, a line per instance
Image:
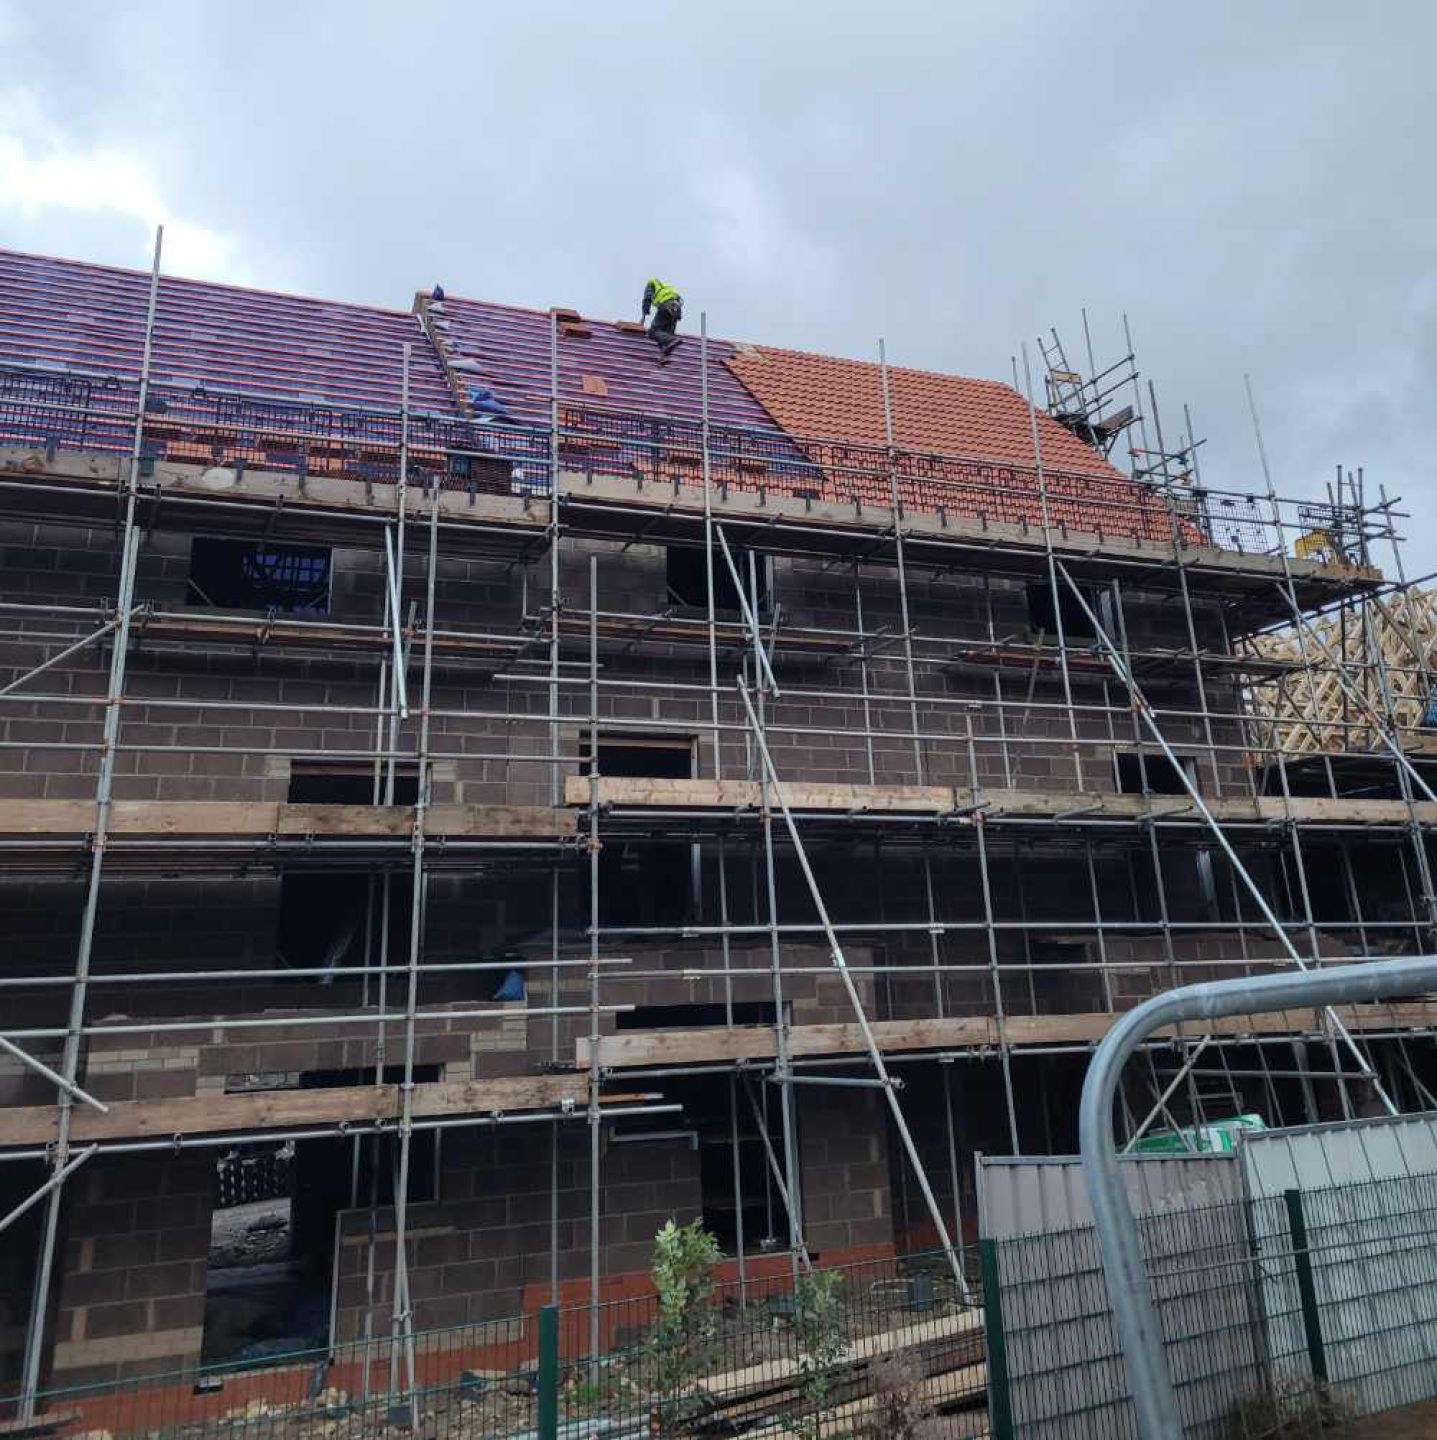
819,1333
681,1343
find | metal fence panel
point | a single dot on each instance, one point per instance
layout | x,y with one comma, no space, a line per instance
1066,1375
1315,1156
1375,1273
1026,1195
743,1361
1373,1263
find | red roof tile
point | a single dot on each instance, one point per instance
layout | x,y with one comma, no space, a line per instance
948,414
967,445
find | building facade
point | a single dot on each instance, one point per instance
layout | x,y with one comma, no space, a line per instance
485,794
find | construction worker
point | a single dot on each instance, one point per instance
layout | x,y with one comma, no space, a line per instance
668,307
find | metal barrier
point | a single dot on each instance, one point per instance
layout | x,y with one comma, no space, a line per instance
1247,995
1324,1297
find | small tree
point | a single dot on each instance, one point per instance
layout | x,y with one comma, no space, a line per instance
818,1330
681,1342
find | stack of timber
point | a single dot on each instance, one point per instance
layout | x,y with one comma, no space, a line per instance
765,1399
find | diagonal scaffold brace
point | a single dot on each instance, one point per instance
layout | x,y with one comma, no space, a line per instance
1145,713
840,963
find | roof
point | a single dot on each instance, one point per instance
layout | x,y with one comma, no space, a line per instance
780,420
510,347
825,397
965,446
65,315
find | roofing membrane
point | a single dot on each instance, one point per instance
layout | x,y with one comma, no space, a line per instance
510,347
64,315
779,419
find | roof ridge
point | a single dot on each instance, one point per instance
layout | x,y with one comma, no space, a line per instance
538,314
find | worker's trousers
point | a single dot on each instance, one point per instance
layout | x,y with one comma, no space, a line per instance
666,321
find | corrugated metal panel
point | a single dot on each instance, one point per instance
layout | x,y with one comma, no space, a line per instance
1066,1377
1027,1195
1313,1156
1368,1242
1224,1273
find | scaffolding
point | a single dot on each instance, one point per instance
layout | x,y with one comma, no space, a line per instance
1196,830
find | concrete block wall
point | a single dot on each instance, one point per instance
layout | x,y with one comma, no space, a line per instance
811,999
973,608
181,926
131,1293
215,752
474,1252
132,1278
844,1168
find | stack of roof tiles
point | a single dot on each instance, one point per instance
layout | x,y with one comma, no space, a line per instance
779,419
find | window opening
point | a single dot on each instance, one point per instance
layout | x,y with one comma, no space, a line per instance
644,885
1152,773
257,575
1043,615
694,1017
642,756
321,921
270,1270
327,782
1074,989
688,582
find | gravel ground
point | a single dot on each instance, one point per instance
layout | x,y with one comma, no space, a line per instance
1412,1422
253,1234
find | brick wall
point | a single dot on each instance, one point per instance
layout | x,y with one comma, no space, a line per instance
843,1159
488,1237
131,1293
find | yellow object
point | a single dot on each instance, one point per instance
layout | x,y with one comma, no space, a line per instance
662,292
1315,543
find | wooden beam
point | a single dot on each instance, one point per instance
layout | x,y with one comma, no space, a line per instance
261,819
718,1045
292,1109
997,803
769,1373
280,632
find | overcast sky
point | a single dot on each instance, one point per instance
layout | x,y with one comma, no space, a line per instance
1255,185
